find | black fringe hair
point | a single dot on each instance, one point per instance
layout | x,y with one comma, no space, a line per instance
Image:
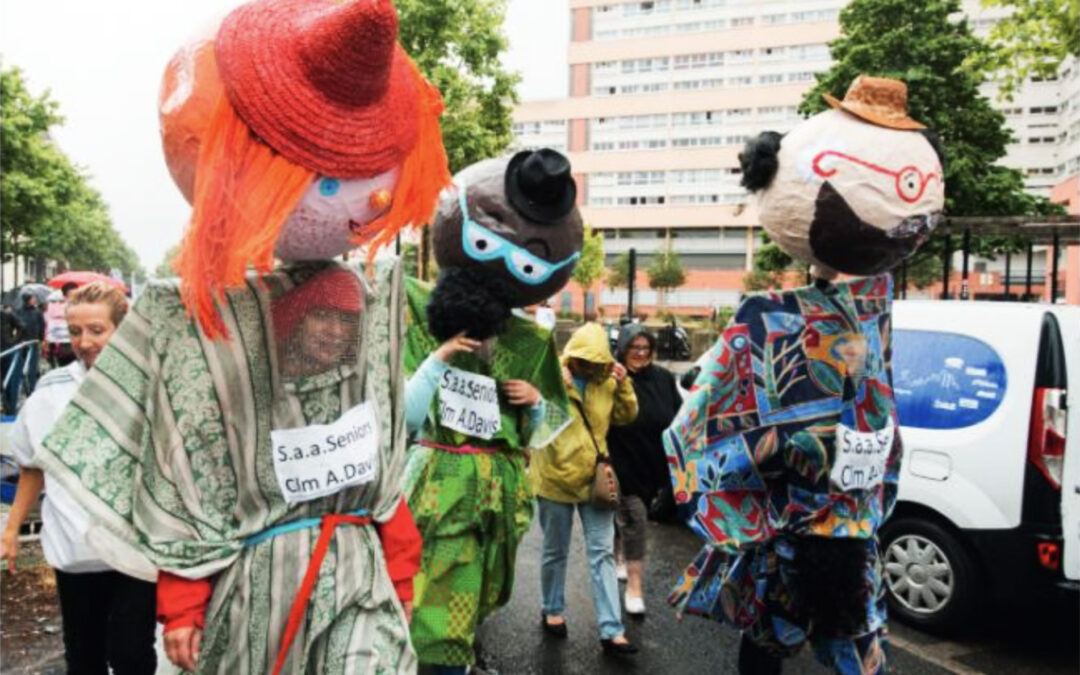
467,299
758,160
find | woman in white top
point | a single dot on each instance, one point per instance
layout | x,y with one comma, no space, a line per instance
108,617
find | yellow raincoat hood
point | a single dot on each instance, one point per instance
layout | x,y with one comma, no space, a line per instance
563,470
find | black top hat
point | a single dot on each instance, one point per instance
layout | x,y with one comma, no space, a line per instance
539,185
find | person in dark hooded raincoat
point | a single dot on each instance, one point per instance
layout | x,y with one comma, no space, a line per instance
637,451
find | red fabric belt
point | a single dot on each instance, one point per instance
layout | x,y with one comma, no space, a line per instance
327,525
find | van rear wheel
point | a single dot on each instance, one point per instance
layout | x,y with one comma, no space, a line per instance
929,577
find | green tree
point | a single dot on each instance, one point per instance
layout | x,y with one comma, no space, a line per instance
590,267
165,269
924,270
457,44
770,266
50,211
666,273
926,45
618,275
1033,41
760,279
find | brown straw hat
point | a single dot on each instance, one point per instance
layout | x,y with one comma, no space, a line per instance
323,83
878,100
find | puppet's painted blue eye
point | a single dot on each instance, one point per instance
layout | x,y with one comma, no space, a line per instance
328,187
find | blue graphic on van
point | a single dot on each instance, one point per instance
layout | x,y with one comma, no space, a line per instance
945,380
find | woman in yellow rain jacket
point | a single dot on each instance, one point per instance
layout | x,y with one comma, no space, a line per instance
561,475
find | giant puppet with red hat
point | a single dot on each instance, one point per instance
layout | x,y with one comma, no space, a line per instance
786,454
242,437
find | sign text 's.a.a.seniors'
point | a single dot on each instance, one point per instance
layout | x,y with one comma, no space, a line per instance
322,459
469,403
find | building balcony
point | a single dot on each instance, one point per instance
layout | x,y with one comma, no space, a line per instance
681,245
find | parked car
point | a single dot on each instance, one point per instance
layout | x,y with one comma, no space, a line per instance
989,497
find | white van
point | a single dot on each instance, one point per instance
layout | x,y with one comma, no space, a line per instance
989,496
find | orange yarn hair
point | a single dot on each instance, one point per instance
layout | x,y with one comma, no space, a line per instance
245,192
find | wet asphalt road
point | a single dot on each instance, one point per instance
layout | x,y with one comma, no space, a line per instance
1015,641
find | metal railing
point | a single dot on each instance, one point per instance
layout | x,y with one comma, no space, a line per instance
23,363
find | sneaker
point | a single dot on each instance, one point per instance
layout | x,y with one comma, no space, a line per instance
634,606
620,572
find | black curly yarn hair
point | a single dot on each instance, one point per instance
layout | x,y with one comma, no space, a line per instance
467,299
831,588
758,160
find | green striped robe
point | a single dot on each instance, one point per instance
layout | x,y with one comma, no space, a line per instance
167,445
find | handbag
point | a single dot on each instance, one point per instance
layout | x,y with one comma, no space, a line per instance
604,492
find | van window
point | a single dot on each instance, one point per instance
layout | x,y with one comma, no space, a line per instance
945,380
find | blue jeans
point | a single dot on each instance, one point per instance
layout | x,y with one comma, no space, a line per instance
11,367
557,522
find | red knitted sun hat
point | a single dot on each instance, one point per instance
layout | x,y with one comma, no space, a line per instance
323,83
335,289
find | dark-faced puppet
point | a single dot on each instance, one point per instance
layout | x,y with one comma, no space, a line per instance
787,452
485,385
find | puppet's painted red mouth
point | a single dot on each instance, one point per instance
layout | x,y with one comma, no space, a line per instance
357,228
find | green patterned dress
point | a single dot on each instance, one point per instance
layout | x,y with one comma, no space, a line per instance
167,445
473,509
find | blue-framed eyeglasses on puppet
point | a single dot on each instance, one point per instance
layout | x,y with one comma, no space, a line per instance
482,245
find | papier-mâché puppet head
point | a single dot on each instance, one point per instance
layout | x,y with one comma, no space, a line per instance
299,130
506,234
853,190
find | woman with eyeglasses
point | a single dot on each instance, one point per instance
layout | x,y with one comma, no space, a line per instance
637,453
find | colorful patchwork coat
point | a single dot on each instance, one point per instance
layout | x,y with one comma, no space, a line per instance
789,431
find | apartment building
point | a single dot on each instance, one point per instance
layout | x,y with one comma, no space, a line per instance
1044,115
664,93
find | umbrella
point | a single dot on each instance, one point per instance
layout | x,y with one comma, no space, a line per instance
40,290
83,278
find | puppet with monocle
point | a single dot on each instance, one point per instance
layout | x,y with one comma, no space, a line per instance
787,451
243,434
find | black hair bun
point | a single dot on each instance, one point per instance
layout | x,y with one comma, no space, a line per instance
467,299
759,160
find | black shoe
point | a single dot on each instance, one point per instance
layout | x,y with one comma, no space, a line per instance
556,629
618,648
755,660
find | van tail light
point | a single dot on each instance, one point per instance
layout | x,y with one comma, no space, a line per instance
1049,554
1046,440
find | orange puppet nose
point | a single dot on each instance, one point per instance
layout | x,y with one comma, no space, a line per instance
380,199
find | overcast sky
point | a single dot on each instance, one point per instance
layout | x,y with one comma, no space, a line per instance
103,60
